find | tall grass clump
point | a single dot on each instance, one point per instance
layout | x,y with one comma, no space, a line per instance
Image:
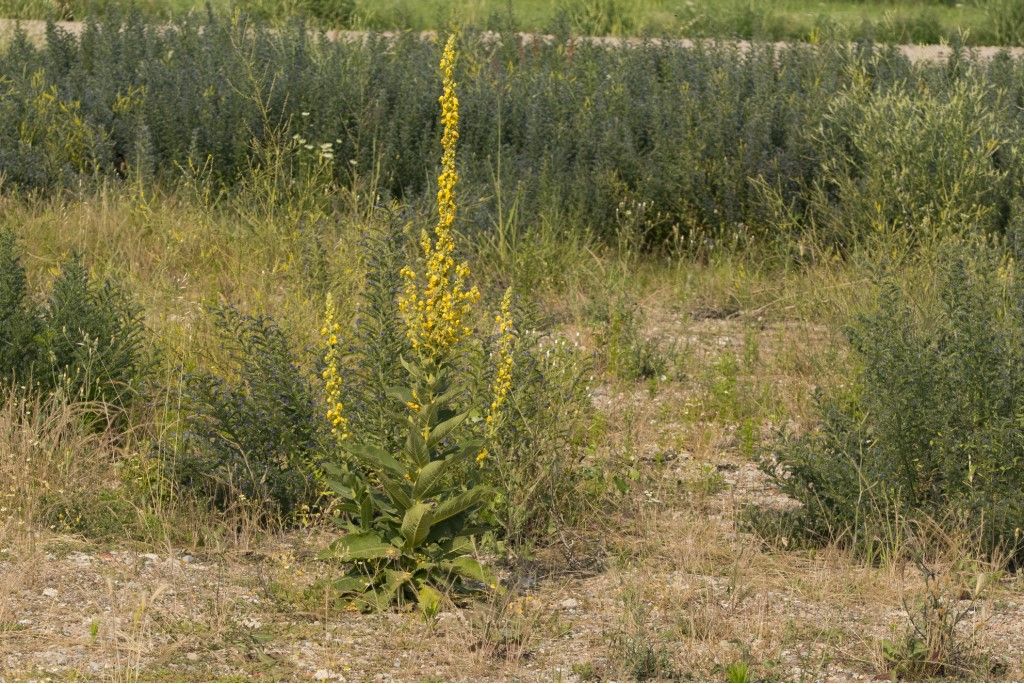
930,430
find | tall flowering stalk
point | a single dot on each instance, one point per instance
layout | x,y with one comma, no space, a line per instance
437,306
332,373
502,384
409,520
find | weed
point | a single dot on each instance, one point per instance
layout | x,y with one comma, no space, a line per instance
636,652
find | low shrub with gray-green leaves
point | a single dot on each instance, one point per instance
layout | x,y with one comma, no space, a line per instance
84,337
253,425
933,426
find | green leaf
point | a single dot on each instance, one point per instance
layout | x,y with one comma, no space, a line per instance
428,478
465,501
417,447
366,511
397,492
471,568
359,546
402,394
346,586
443,430
429,600
416,525
377,458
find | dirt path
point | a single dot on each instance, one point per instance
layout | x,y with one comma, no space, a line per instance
36,30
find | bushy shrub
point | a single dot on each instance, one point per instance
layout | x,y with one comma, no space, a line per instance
85,339
19,321
931,429
909,165
253,426
91,339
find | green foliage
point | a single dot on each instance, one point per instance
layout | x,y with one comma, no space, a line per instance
910,165
19,322
378,344
86,339
692,148
535,469
253,424
931,428
1006,19
737,672
408,514
91,338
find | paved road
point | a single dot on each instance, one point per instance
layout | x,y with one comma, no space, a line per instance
915,53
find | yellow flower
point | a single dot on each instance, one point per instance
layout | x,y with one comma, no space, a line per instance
435,306
331,375
506,362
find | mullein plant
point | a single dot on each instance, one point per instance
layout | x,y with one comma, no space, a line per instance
409,510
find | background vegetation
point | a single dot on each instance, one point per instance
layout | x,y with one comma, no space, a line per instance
981,22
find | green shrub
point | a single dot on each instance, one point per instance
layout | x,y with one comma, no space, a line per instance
91,339
19,321
676,145
931,429
915,165
86,338
253,427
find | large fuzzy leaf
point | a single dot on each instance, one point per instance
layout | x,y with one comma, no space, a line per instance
444,429
461,503
359,546
416,525
429,477
471,568
397,491
417,447
376,458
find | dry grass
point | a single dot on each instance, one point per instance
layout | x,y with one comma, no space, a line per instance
669,583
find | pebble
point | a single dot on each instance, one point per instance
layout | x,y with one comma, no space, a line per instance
50,592
323,675
570,604
192,656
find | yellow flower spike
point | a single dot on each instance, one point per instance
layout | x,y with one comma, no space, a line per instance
506,362
434,307
331,374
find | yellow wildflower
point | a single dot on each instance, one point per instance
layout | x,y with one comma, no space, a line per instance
503,377
435,307
331,375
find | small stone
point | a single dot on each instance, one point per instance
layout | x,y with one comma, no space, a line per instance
570,604
152,557
192,656
50,592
